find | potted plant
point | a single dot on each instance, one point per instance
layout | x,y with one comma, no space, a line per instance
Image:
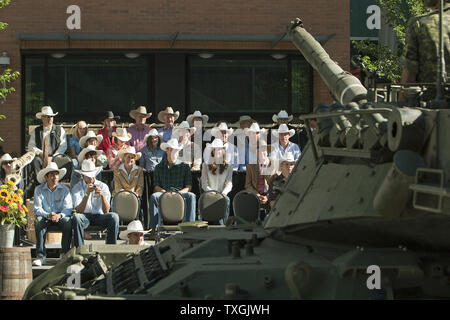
12,213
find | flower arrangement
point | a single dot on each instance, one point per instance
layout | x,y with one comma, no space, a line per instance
12,209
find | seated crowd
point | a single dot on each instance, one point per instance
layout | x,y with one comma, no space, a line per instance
171,153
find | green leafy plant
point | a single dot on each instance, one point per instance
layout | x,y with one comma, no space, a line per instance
379,60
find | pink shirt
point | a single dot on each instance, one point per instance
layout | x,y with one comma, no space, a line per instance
113,159
137,137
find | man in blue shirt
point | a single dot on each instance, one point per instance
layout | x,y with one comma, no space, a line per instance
91,199
283,145
168,117
52,206
172,174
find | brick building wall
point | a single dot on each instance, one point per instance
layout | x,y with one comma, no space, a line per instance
262,17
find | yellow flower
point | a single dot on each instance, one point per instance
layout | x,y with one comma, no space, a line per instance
9,200
4,194
17,198
25,208
20,191
11,183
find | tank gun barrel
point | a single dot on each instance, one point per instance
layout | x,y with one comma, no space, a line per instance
345,87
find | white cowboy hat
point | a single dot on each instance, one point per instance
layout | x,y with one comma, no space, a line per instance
183,126
90,134
89,169
172,143
122,134
153,132
5,158
83,152
131,150
287,157
133,226
284,129
254,128
282,115
46,111
222,126
168,110
197,114
52,166
140,110
216,144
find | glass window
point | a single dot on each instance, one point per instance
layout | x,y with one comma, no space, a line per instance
249,85
82,87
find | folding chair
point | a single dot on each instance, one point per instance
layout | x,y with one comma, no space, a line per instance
212,207
171,210
246,205
127,205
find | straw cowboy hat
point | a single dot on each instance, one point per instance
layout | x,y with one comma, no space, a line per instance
287,157
89,169
168,110
6,158
284,129
83,152
140,110
152,133
254,128
183,126
244,118
216,131
197,114
172,143
90,134
133,226
282,115
51,167
216,144
46,111
122,134
127,150
109,115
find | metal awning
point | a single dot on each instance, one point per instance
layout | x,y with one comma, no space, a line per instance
171,37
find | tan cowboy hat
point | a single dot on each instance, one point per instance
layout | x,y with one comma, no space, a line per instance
83,152
254,128
127,150
140,110
89,169
133,226
287,157
51,167
153,132
244,118
168,110
183,126
90,134
172,143
197,114
122,134
6,158
282,115
221,127
46,111
284,129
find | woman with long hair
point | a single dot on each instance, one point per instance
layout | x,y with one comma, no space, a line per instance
79,130
217,174
152,154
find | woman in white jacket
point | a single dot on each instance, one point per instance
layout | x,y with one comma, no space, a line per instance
217,174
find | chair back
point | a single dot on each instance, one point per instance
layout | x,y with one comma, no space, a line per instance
126,204
246,205
64,161
171,207
212,206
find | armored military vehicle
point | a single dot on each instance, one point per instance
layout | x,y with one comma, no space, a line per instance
364,215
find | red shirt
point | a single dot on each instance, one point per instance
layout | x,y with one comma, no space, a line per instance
106,142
